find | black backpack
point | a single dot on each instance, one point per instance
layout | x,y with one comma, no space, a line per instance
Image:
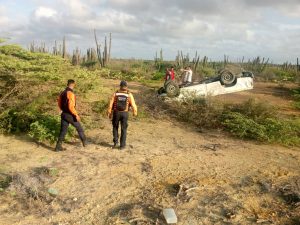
121,101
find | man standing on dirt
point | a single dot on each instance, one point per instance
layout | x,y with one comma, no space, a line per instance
69,115
118,108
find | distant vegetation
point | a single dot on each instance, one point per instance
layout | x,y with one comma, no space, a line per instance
135,69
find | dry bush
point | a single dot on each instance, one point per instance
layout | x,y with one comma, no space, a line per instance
135,214
203,113
29,191
289,190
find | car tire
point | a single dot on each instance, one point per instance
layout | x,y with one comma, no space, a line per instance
161,90
226,77
172,89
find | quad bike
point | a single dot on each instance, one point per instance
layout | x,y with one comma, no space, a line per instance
223,83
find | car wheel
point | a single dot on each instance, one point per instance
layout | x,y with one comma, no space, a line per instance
161,90
172,89
226,77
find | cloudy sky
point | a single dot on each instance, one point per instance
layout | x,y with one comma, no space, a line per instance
269,28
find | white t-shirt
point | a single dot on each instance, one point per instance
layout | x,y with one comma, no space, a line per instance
189,76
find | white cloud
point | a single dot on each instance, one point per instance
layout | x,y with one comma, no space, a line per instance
45,12
250,35
4,20
237,27
76,8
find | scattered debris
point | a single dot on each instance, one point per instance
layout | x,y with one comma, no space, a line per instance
135,213
260,221
5,180
247,181
290,190
176,142
53,192
146,167
170,216
265,185
184,192
212,147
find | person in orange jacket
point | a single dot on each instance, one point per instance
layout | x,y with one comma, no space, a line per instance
120,103
67,103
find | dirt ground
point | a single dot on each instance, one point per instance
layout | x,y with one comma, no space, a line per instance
272,93
207,177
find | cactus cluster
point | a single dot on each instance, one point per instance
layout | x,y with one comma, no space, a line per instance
158,61
256,65
90,58
33,47
103,56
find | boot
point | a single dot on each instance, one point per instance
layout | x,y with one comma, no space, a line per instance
115,146
58,147
122,148
84,142
82,138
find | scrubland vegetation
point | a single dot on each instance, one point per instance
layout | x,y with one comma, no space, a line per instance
209,181
31,81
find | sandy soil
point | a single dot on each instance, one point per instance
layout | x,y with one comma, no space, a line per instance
271,93
208,178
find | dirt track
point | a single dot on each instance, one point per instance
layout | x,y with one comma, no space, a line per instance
223,180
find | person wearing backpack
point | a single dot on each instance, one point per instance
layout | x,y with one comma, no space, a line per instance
120,104
67,104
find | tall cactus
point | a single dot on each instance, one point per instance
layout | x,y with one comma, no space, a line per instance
64,50
103,57
76,57
109,50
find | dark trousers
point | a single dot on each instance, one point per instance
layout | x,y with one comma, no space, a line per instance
120,118
66,119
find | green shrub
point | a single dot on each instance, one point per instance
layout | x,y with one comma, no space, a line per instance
277,74
297,105
40,127
253,109
47,128
283,131
285,75
100,106
296,93
89,64
273,130
17,51
207,72
249,120
158,76
86,87
242,126
13,121
296,96
201,112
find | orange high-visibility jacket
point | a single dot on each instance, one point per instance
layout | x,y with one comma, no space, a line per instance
67,102
130,102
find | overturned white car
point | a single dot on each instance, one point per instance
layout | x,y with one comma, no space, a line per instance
224,83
